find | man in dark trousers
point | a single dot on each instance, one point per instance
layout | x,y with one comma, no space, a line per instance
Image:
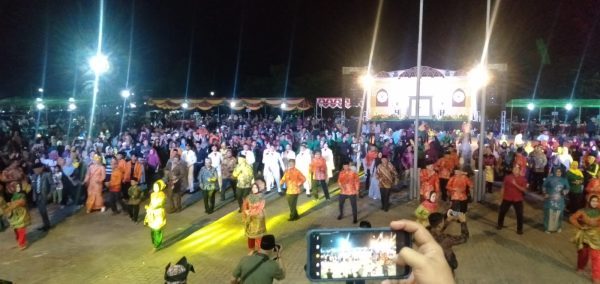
41,183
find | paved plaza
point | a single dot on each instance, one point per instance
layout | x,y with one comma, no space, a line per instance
101,248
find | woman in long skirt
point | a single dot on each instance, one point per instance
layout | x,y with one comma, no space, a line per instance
253,216
555,188
94,178
587,239
374,191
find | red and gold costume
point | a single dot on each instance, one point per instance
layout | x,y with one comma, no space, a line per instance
587,239
318,167
349,182
293,179
429,182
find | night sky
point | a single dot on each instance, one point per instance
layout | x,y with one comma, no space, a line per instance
326,35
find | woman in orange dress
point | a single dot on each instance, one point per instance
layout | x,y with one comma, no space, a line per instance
94,179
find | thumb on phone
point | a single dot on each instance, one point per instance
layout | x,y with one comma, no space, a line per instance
412,258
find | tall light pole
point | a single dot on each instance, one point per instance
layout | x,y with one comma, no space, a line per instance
125,94
39,105
479,76
414,178
366,77
99,64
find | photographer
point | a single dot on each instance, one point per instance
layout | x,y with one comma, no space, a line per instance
259,267
437,226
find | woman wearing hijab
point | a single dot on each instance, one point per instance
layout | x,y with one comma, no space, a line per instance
155,213
576,194
555,188
253,216
587,238
94,180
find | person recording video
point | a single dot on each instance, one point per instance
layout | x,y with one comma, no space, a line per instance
259,267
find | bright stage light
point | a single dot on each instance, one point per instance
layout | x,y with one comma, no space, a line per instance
40,90
132,105
232,104
185,105
72,106
283,105
479,77
99,64
71,100
212,93
530,106
125,93
569,106
366,81
39,104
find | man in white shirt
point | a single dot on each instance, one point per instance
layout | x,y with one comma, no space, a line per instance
248,154
328,156
288,155
216,157
303,160
273,165
189,156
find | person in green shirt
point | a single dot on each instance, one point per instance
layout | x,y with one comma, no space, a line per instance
258,267
135,198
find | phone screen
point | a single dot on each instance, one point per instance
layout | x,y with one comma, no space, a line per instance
338,254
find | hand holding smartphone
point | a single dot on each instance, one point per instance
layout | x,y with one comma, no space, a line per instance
356,253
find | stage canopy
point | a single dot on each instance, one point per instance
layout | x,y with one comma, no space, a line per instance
554,103
238,104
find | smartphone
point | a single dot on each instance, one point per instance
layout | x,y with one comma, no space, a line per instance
356,254
454,213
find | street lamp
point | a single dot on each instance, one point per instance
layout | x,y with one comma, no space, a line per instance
366,81
479,77
530,106
99,64
569,106
72,105
125,93
39,104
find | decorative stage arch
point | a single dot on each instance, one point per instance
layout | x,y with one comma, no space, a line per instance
238,104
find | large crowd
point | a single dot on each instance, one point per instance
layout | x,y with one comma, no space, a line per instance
162,159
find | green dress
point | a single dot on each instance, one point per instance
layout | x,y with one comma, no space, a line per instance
17,217
254,216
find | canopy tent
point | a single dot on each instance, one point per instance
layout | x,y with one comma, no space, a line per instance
552,103
555,104
238,104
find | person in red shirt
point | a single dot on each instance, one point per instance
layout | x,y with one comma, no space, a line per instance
349,185
114,187
444,167
293,179
318,169
458,190
514,186
429,181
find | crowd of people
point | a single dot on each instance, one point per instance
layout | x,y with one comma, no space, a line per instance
243,159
